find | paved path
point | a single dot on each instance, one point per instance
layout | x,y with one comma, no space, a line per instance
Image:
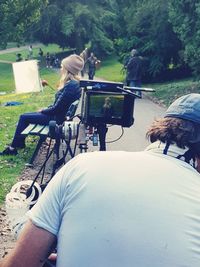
13,50
17,49
134,138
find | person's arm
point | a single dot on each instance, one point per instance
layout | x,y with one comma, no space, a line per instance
56,106
32,248
70,93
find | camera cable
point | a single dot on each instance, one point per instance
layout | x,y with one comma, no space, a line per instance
115,140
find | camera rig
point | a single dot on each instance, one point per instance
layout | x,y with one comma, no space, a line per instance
101,103
105,102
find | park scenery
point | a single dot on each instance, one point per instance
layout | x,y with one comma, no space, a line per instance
165,34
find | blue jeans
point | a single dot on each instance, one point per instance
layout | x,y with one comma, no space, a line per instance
91,74
136,83
24,120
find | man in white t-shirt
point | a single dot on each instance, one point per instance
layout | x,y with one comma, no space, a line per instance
124,209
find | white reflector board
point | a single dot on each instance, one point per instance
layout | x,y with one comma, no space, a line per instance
26,76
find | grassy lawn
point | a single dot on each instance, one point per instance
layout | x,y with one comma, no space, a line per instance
11,167
167,92
111,70
6,77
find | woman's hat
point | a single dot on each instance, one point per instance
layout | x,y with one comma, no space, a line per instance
73,64
186,107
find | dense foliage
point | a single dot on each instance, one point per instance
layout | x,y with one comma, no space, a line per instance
77,23
166,33
16,18
185,17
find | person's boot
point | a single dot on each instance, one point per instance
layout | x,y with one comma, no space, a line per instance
9,152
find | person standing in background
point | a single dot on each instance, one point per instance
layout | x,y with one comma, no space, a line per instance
40,53
48,60
19,57
30,52
92,61
134,71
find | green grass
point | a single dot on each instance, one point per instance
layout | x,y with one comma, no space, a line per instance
11,167
111,70
167,92
6,78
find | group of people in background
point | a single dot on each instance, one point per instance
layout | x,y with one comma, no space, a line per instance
52,61
132,65
91,62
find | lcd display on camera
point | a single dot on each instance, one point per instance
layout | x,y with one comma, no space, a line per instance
109,108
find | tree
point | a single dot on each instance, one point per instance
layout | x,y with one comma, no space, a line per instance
16,18
185,18
77,23
149,31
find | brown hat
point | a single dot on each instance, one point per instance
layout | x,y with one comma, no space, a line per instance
73,64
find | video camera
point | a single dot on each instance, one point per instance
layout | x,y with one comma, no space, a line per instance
106,102
67,131
102,103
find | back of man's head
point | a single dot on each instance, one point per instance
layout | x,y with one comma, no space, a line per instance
180,125
186,107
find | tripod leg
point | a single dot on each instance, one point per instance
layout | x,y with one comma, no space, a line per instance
102,130
40,141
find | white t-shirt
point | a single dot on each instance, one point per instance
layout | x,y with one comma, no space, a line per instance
123,209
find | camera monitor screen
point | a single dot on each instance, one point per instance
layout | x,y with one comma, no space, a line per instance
109,108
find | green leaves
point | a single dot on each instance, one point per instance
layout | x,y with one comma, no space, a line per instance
185,17
17,16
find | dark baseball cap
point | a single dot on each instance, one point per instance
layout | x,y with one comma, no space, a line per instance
186,107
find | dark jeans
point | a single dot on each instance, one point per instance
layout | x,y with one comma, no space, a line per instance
136,83
91,74
24,120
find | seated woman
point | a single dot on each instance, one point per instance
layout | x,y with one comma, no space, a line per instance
68,91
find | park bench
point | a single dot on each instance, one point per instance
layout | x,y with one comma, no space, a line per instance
43,130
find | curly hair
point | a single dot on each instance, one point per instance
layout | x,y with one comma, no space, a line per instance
177,131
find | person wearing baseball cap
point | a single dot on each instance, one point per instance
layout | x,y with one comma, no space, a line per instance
138,209
180,127
68,91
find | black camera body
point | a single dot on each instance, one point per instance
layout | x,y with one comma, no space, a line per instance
105,103
108,107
